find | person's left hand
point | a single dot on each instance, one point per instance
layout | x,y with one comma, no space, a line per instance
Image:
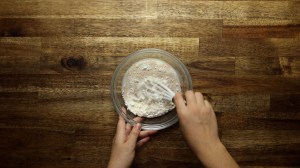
126,140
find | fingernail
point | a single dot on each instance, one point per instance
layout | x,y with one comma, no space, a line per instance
138,126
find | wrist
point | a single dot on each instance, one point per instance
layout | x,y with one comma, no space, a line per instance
111,164
216,155
210,149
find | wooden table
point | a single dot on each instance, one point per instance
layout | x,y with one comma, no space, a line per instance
57,58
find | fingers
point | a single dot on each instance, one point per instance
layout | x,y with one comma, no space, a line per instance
207,104
141,142
120,134
179,102
144,134
123,110
134,134
211,111
129,126
190,97
199,98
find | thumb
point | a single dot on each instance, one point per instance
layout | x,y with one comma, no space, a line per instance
134,134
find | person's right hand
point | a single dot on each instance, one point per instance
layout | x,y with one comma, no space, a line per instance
197,121
198,125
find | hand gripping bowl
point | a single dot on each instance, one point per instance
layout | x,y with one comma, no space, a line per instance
156,123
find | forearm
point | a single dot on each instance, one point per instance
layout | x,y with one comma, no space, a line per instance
216,156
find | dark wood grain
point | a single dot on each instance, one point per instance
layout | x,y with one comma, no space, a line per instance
34,27
229,9
261,28
70,9
284,66
20,55
244,55
148,27
239,47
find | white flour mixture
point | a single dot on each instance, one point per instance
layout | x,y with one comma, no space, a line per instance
133,89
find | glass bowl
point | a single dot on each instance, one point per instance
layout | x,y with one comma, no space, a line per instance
156,123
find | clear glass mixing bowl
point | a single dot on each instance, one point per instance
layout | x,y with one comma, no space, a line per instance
156,123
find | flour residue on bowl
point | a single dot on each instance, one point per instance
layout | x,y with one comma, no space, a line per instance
133,91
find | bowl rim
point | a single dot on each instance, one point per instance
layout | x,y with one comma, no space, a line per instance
173,120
